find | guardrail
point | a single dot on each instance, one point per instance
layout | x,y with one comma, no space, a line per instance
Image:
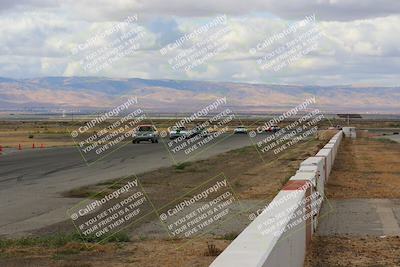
280,235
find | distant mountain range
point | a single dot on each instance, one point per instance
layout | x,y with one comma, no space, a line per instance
186,96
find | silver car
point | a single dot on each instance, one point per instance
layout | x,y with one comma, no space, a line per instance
145,133
240,130
178,131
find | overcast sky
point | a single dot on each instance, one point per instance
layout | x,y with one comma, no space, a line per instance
359,42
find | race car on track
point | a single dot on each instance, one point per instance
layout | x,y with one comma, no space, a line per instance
240,130
145,133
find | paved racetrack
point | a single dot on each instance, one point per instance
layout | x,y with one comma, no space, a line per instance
31,181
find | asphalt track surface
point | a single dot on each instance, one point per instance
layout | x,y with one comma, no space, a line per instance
32,181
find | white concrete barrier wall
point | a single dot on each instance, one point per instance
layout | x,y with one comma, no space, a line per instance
350,132
280,256
311,174
306,173
332,147
327,155
255,248
318,162
334,144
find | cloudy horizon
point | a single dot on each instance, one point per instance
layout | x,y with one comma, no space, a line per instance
357,45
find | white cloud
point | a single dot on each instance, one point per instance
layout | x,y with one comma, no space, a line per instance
374,37
38,42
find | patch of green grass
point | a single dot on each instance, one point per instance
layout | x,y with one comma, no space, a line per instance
237,184
395,125
99,190
81,192
182,166
60,240
107,183
57,240
119,237
386,140
58,257
243,150
116,186
143,238
108,238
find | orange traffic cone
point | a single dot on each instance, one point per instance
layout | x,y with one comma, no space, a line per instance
19,147
33,145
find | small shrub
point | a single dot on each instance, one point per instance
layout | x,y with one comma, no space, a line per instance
212,250
237,184
182,166
119,237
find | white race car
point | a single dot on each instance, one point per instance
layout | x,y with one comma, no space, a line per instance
178,131
240,130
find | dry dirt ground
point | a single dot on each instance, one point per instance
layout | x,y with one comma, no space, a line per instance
50,134
144,253
343,251
365,168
